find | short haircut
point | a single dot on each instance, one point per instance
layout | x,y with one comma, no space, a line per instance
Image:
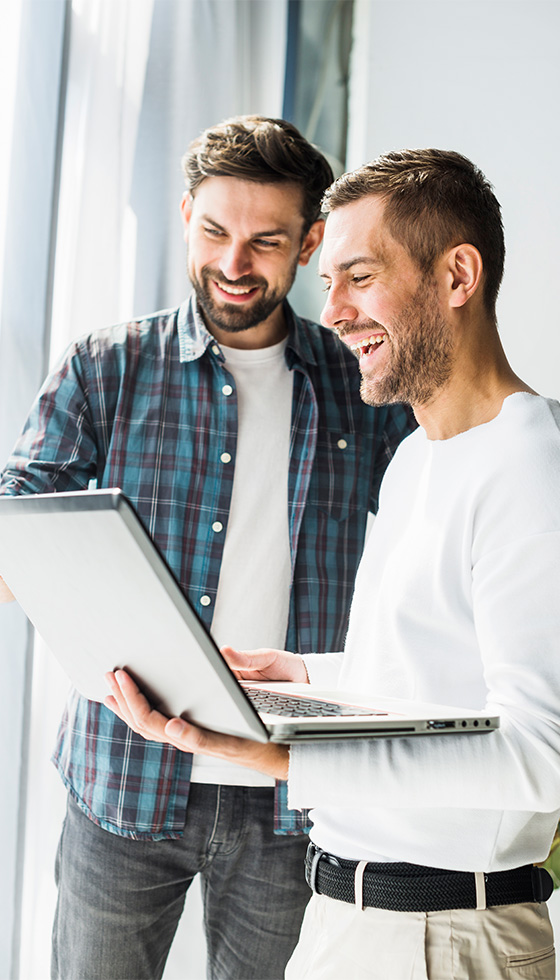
434,200
264,150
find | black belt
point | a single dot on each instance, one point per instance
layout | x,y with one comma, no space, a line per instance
412,888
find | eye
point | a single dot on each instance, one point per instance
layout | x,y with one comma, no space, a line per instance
214,232
359,279
266,243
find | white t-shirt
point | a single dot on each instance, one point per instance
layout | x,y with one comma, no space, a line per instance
252,604
457,601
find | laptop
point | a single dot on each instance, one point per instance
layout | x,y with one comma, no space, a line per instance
92,582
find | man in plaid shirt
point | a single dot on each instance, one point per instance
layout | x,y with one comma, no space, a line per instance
237,430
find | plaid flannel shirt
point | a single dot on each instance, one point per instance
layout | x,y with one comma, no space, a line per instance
142,406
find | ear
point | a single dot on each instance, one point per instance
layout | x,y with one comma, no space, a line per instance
464,273
311,241
186,213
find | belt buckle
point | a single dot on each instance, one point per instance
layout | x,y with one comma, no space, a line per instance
318,853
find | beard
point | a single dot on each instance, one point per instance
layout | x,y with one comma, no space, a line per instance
421,353
231,317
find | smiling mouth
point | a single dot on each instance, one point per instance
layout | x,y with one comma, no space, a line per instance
240,291
367,345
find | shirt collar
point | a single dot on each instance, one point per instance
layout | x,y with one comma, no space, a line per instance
194,338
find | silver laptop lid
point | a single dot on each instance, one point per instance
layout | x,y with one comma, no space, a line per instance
89,578
92,582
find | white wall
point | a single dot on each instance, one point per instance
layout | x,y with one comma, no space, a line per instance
482,78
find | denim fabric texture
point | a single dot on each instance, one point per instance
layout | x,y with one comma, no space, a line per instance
120,902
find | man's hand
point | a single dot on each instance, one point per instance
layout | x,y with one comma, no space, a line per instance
128,702
266,665
5,594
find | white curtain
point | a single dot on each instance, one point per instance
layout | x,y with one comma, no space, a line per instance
144,78
94,272
33,36
94,258
10,622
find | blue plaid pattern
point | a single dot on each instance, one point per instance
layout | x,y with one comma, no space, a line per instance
140,406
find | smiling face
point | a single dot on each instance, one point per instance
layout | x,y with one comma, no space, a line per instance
245,242
383,307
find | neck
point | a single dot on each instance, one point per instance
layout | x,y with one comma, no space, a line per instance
271,331
480,381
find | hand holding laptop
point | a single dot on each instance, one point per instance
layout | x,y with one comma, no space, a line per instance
266,665
125,609
128,702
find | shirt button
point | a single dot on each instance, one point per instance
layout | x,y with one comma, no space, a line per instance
225,458
215,349
227,390
217,526
342,444
205,600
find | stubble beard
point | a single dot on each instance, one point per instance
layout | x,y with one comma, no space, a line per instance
229,316
421,358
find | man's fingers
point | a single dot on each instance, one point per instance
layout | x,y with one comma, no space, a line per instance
248,660
237,658
187,737
128,702
266,664
190,738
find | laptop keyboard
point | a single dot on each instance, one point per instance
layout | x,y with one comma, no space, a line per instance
284,704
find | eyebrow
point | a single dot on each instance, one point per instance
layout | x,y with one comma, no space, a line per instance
356,260
274,232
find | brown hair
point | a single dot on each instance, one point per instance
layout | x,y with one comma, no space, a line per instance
434,199
260,149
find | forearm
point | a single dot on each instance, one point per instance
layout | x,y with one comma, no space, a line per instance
270,759
510,769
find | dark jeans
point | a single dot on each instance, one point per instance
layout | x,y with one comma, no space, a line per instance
119,900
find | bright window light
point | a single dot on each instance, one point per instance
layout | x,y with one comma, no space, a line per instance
9,51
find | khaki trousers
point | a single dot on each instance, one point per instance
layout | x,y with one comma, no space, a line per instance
340,942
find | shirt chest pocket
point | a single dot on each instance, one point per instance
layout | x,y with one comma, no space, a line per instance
338,485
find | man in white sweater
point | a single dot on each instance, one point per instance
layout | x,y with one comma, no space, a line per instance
423,851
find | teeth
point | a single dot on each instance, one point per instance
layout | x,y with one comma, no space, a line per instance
235,290
369,342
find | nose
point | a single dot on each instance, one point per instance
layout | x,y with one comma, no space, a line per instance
338,308
235,261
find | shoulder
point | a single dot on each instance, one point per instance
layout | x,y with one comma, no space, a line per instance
142,335
524,440
515,470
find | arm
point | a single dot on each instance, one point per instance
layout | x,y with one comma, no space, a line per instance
58,447
517,617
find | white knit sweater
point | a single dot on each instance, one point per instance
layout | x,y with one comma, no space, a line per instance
457,601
